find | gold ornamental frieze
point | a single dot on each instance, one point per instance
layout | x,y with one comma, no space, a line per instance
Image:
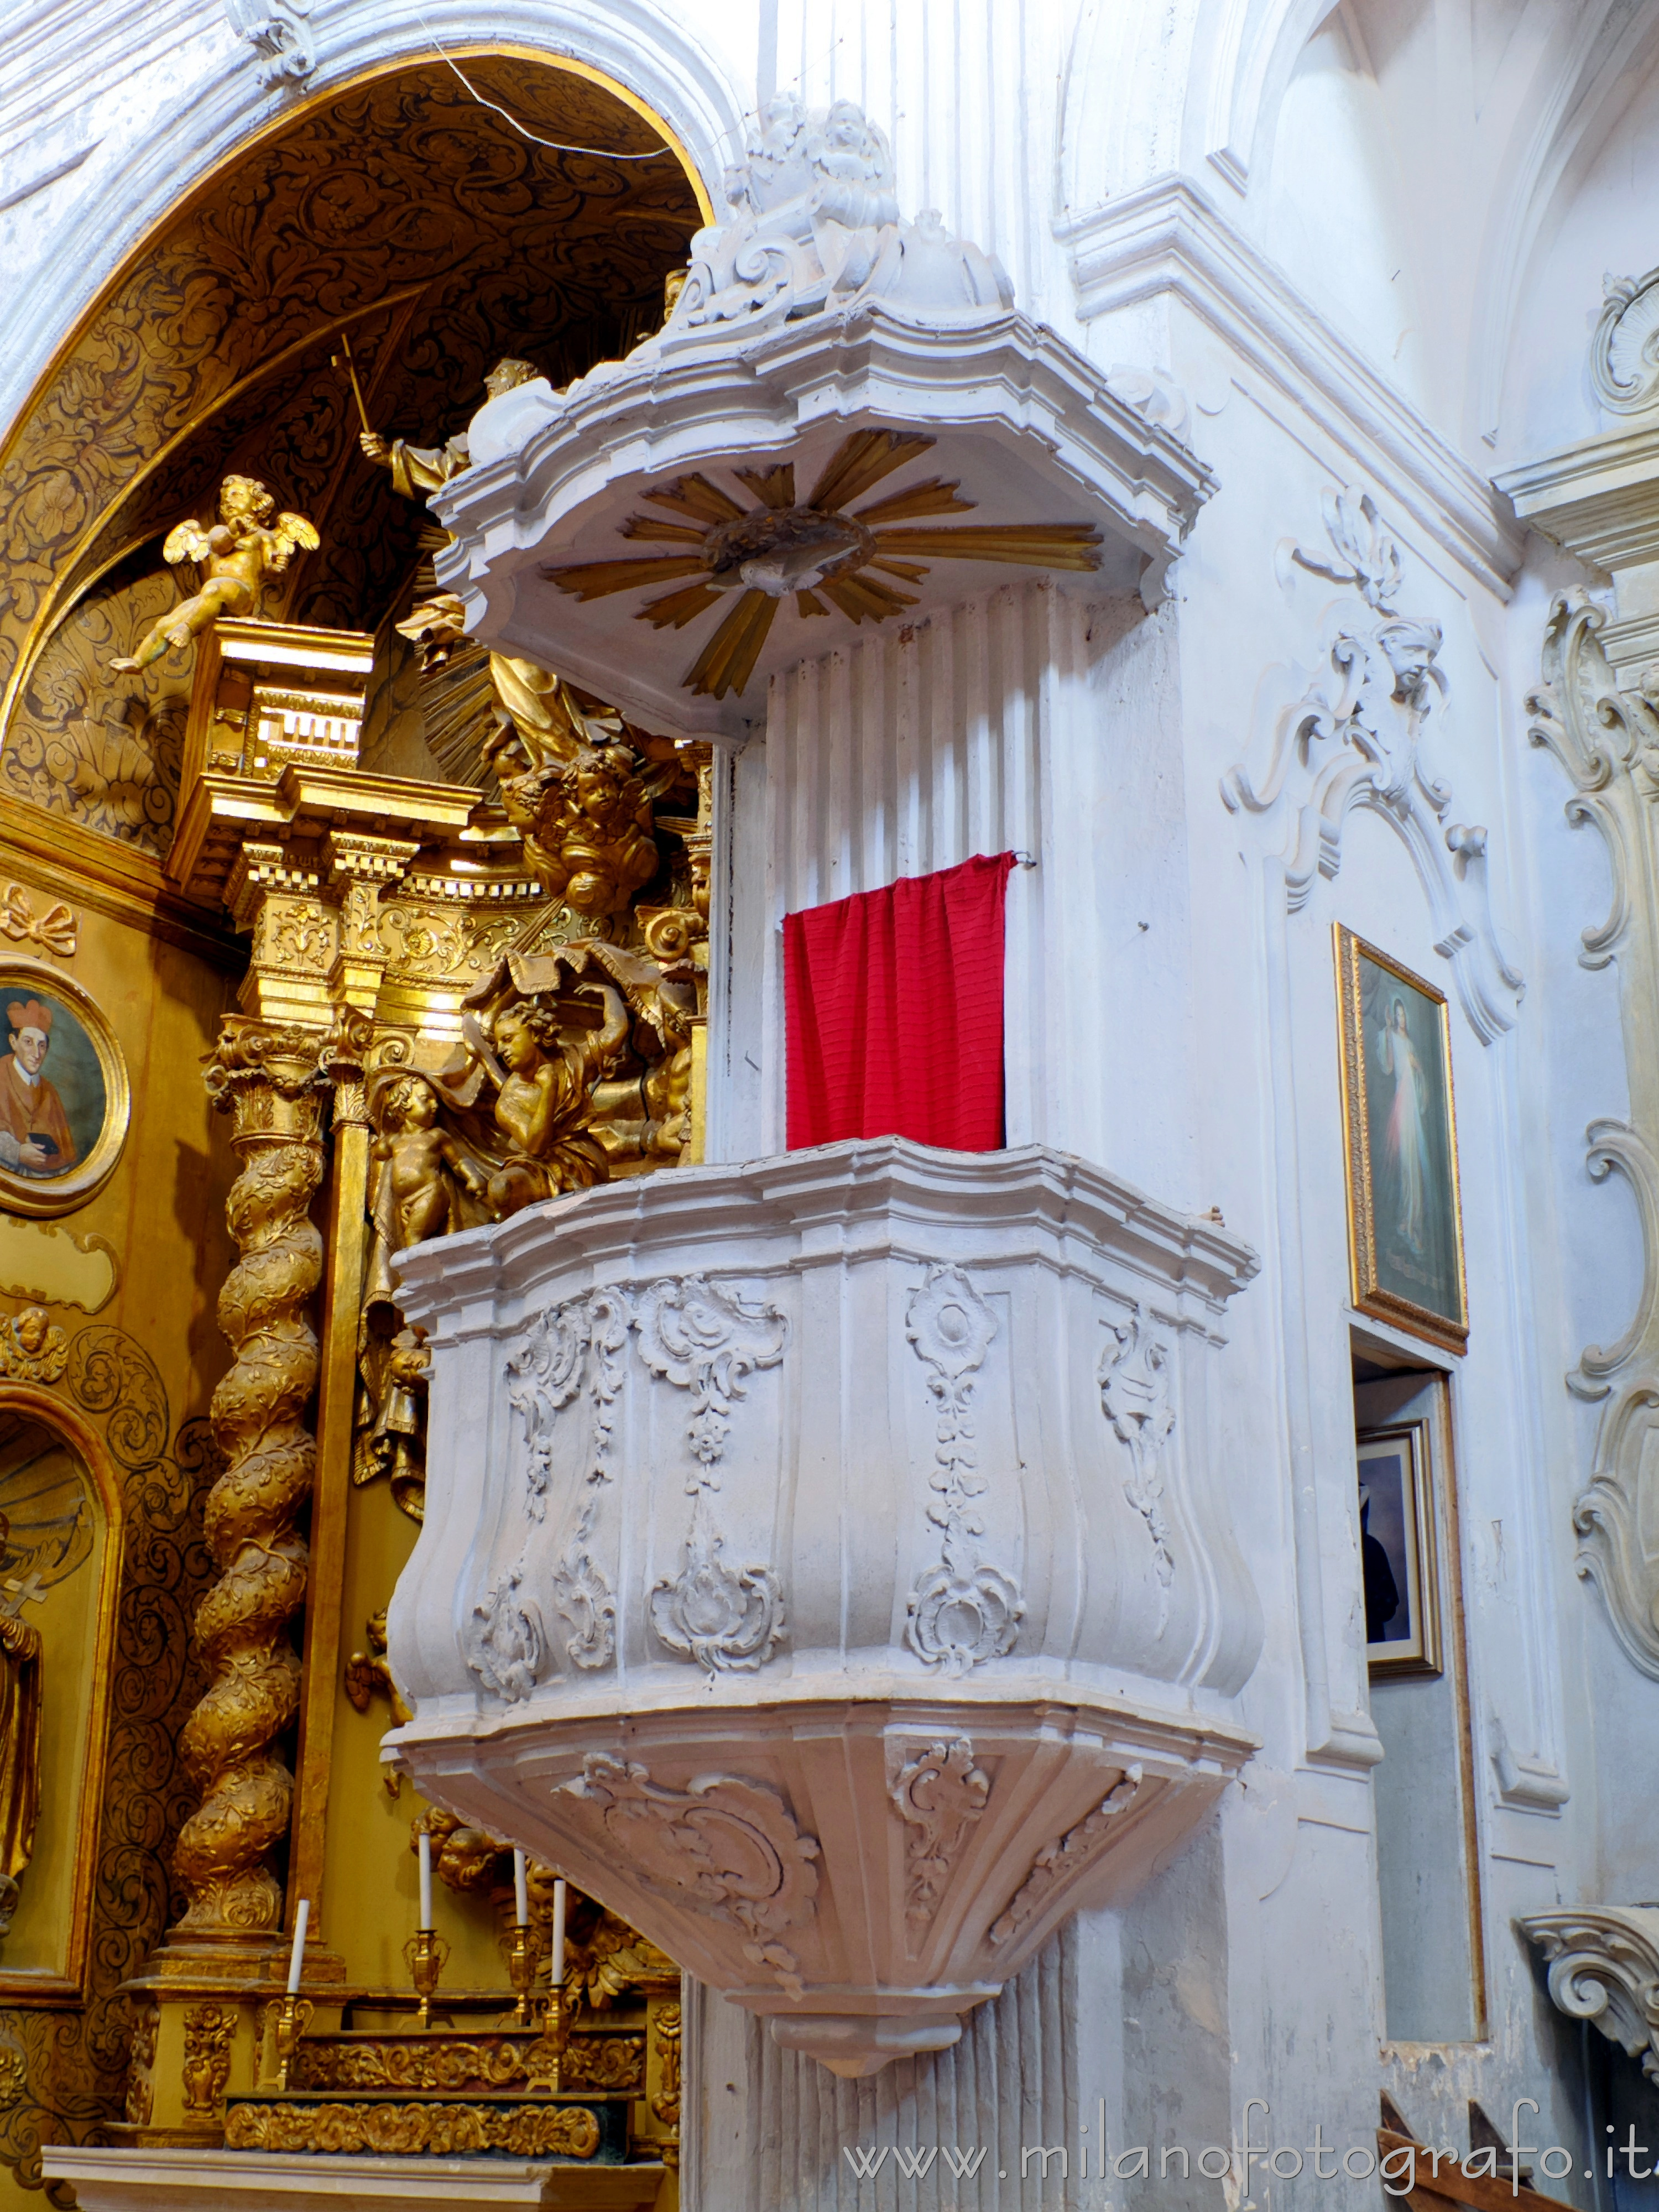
613,2062
391,2129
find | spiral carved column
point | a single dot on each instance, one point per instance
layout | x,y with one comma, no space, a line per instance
271,1080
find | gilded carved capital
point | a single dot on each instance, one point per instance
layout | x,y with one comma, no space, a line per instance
360,869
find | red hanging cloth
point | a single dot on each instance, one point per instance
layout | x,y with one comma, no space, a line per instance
894,1004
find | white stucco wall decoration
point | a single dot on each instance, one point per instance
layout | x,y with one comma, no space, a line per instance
1355,738
279,31
1607,739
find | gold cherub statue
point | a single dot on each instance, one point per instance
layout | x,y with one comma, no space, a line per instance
418,1169
239,551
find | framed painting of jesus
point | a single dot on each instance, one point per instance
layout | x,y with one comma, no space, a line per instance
1399,1129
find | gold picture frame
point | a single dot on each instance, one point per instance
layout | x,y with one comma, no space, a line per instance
65,1979
82,1099
1400,1140
1399,1549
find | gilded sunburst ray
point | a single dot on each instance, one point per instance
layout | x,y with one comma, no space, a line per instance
820,551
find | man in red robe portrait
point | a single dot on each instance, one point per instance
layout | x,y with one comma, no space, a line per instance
34,1130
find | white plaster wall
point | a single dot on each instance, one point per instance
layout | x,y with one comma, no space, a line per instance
1603,226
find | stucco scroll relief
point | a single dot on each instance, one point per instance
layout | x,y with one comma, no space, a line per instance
1134,1396
1355,738
1607,741
280,34
1068,1854
705,1338
727,1845
577,1346
1624,354
701,1337
938,1793
505,1643
965,1609
1604,1967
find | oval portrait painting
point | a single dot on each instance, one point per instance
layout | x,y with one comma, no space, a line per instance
64,1100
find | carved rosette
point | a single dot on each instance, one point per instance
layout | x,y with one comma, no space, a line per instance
270,1081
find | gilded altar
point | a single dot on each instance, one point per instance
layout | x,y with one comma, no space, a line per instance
321,935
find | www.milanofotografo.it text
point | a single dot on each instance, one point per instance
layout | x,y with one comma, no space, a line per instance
1399,2166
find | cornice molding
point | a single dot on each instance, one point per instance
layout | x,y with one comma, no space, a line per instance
1167,238
1598,499
1033,429
117,880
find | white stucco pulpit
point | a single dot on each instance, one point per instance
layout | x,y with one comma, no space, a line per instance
828,1564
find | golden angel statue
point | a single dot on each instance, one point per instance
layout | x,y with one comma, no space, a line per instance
238,553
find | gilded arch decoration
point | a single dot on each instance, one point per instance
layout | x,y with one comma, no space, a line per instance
398,213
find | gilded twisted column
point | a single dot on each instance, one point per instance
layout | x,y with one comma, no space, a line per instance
269,1079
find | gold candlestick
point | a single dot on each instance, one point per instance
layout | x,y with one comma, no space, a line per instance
544,2061
523,1953
427,1954
292,2014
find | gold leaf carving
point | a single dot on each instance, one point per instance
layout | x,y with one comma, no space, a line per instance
271,1080
33,1348
57,929
211,353
413,2131
612,2063
63,2073
208,2032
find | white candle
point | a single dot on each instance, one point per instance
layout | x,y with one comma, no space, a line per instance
426,1879
296,1958
556,1971
521,1890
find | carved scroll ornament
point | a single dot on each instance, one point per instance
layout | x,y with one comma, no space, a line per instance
407,2130
938,1794
1069,1855
1134,1396
279,31
727,1846
1607,741
576,1347
1355,738
965,1609
1624,354
706,1338
1604,1967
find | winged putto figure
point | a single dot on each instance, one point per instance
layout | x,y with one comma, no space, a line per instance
237,554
